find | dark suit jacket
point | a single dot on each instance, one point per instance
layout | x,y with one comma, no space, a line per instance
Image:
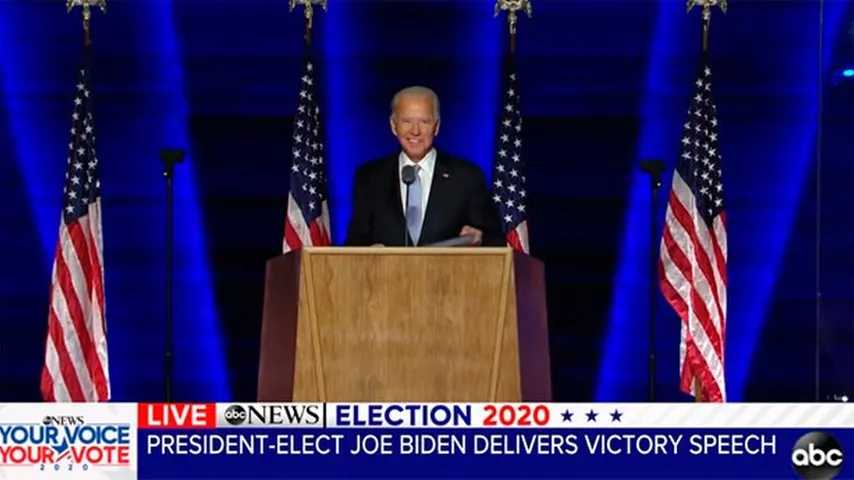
458,197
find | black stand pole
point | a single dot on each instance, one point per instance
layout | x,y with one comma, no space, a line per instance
654,169
169,157
407,175
406,212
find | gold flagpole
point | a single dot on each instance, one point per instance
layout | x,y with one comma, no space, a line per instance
511,7
87,14
706,5
309,14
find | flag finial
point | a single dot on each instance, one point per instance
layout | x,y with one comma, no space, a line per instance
707,15
513,6
309,13
87,11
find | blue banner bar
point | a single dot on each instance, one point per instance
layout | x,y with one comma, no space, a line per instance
541,453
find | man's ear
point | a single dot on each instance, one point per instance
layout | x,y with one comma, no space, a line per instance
391,124
436,129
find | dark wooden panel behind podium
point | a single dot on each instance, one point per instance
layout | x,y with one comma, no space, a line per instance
279,328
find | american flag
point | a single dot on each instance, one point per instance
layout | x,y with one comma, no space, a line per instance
693,255
307,221
509,182
76,367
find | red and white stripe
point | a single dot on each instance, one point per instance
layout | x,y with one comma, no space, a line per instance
692,276
518,240
298,234
76,365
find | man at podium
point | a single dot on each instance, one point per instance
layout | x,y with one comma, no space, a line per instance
446,196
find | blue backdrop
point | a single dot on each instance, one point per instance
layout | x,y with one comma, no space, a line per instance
604,85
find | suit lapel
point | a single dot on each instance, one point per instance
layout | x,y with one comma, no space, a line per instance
439,196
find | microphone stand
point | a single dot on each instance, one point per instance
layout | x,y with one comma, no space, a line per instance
405,210
169,157
653,168
407,176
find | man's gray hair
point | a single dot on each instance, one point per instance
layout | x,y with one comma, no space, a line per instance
417,91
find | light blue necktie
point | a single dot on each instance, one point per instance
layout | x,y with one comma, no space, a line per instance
413,214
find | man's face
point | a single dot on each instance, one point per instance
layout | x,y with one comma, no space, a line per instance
414,125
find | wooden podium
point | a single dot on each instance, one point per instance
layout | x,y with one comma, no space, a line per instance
404,324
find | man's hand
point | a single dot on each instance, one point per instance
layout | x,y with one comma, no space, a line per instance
475,234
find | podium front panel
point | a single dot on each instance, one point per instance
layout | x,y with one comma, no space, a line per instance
393,324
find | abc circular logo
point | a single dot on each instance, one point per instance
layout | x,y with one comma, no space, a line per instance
235,415
817,456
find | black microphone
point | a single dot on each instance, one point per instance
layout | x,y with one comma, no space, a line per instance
407,175
654,168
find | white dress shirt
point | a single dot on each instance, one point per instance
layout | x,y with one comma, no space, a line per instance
425,176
